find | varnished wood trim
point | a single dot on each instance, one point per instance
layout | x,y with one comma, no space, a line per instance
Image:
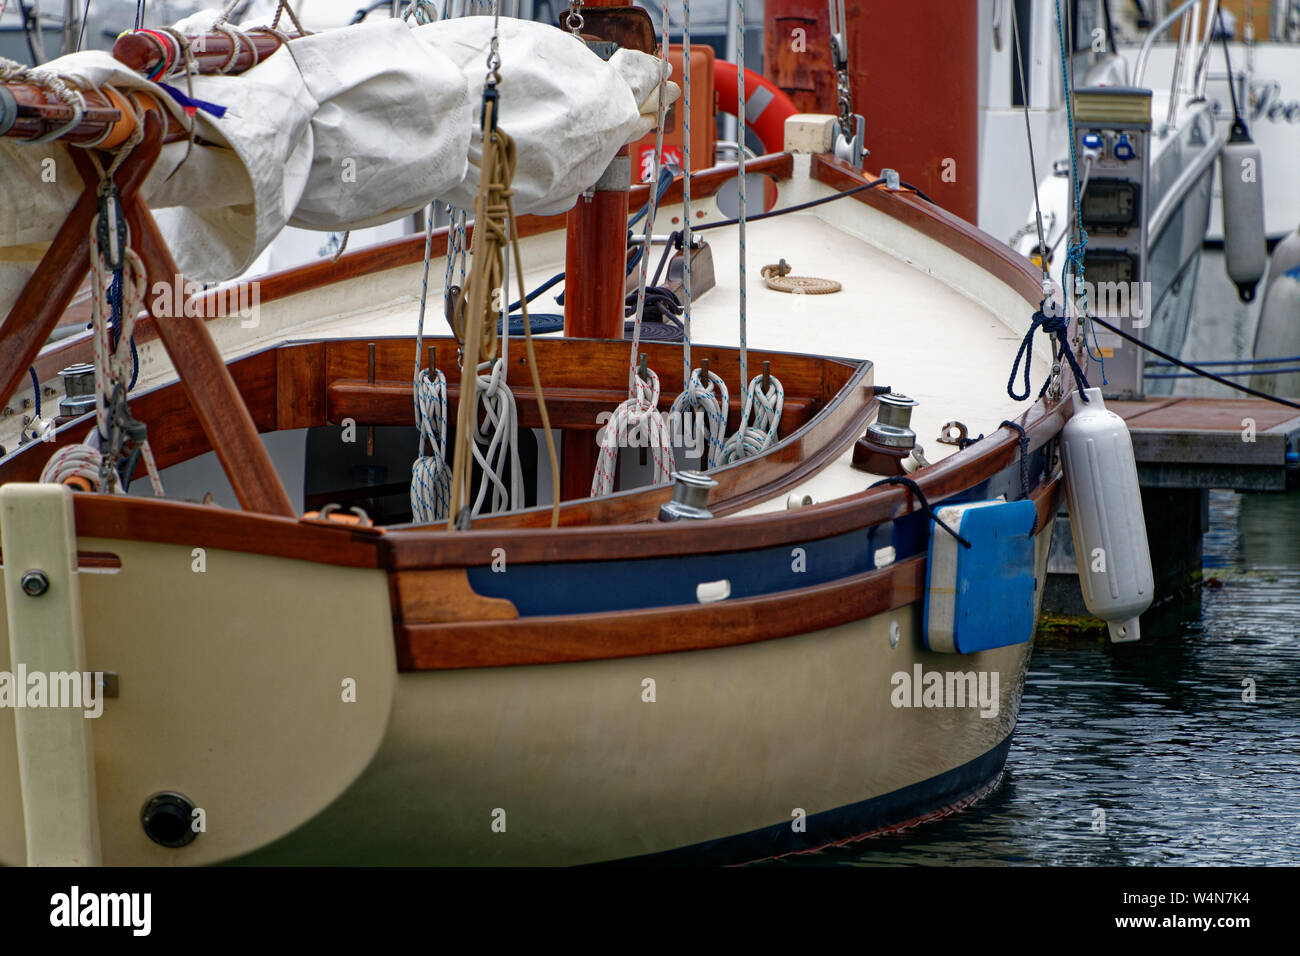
570,638
957,234
431,597
586,637
420,548
207,526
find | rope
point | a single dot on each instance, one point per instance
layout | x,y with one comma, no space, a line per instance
430,476
779,279
1074,265
477,321
1024,455
118,287
741,445
497,429
651,208
753,439
638,415
1196,368
1057,325
423,10
714,401
686,197
641,409
69,96
916,491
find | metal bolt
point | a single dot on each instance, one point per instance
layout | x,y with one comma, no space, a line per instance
35,583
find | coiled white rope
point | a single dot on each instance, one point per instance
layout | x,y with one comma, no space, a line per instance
638,416
714,400
496,441
79,461
431,474
755,438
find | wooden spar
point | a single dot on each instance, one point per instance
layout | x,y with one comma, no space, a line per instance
144,51
208,384
47,293
38,111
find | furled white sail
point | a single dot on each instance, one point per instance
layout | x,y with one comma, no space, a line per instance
344,129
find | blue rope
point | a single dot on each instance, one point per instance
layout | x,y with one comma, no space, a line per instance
1058,326
1245,371
1249,361
1074,253
911,485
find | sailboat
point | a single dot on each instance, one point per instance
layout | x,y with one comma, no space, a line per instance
722,652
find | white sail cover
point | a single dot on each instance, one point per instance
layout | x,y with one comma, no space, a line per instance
345,129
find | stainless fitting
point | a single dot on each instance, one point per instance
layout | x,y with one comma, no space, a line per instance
892,425
690,497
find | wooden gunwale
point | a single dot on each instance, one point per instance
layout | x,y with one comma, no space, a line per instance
411,548
570,638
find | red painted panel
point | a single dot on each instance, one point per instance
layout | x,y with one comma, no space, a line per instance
914,71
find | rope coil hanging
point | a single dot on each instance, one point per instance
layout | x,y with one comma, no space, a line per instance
639,414
106,458
474,312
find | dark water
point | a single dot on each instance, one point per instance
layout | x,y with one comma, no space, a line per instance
1155,734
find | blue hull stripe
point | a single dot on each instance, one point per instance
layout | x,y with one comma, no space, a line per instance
587,587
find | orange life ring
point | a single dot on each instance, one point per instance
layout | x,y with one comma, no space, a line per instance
767,106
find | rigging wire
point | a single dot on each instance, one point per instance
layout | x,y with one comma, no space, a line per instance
1044,255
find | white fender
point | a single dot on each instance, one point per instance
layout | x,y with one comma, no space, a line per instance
1278,332
1110,538
1244,246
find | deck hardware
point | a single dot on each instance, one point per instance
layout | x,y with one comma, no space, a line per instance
893,633
708,592
79,388
35,583
797,500
167,819
893,424
767,374
889,439
355,515
953,433
690,497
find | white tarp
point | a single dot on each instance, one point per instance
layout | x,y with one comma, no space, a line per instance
345,129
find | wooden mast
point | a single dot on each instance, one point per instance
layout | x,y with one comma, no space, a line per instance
595,274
